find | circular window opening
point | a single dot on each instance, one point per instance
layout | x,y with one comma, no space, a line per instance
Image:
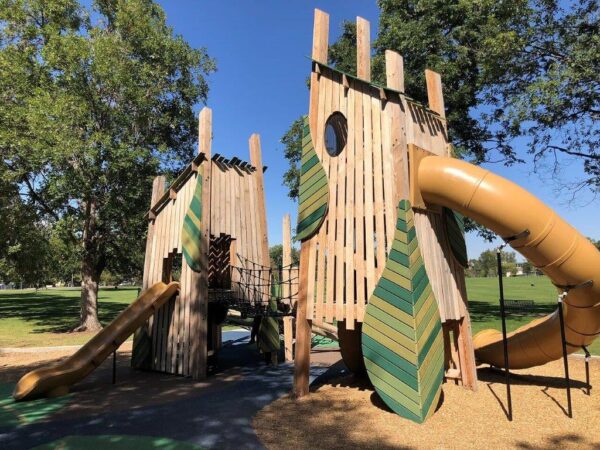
336,133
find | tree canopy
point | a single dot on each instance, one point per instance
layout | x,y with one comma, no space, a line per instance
511,69
95,101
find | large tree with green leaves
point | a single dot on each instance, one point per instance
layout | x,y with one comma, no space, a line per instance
510,68
94,103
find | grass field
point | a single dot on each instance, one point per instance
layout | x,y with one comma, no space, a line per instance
43,318
485,309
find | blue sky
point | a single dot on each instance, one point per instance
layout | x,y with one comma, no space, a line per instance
260,48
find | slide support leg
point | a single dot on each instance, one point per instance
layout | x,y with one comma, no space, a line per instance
114,368
587,369
564,350
509,413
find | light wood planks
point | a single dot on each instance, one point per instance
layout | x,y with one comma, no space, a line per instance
363,49
232,204
320,36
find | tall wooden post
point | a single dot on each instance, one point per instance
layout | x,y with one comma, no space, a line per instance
142,341
199,280
303,325
394,71
363,49
288,333
460,328
256,161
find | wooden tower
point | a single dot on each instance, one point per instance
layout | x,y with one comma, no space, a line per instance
233,232
349,200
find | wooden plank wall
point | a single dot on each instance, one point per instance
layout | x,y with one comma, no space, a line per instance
366,182
233,208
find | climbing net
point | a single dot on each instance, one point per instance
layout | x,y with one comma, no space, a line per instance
258,290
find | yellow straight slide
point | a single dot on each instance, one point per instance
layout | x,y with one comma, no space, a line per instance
55,380
552,245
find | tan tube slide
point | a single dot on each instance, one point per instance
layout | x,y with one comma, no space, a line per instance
55,380
553,246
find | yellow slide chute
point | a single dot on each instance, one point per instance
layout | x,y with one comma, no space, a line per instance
552,245
55,380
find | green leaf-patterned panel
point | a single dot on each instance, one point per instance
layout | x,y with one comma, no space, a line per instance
402,338
313,190
191,232
455,228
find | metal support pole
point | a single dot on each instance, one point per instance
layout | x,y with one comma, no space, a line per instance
504,340
587,369
564,350
114,371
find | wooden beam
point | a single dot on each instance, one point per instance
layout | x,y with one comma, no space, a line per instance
434,92
288,332
363,49
320,36
394,70
303,328
256,161
199,280
205,132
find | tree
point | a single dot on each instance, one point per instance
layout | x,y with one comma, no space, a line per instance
276,255
510,68
94,103
487,264
541,78
595,242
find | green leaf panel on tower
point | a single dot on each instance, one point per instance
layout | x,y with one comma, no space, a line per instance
191,232
313,190
402,340
455,229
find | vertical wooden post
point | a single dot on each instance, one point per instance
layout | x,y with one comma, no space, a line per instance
303,325
256,161
303,328
435,96
363,49
142,342
199,280
158,189
394,71
320,36
288,332
462,330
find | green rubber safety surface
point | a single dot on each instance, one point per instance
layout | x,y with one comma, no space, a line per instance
16,414
117,442
402,340
313,190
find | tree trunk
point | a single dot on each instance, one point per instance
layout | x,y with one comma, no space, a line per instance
89,297
90,272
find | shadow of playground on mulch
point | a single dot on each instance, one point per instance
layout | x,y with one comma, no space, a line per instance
52,312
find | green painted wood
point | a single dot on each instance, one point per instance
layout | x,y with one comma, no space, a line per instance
313,190
191,231
455,229
402,339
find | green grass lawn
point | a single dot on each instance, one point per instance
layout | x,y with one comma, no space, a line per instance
484,306
43,318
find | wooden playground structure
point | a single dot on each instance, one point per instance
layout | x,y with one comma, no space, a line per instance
349,199
233,249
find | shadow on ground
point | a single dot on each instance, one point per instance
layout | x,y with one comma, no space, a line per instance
215,413
481,311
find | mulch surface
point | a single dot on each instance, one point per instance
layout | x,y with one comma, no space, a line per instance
347,413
